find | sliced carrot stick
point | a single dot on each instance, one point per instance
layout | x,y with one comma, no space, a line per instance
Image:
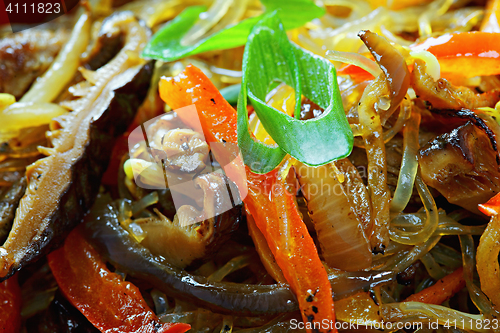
441,290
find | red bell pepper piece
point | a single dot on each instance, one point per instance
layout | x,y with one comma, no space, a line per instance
357,73
120,148
492,207
267,200
466,54
10,306
108,302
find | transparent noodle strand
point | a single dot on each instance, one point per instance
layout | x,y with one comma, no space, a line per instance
403,117
409,164
207,20
475,293
430,225
418,251
435,9
421,312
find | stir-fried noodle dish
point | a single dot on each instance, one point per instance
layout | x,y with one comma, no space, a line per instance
252,166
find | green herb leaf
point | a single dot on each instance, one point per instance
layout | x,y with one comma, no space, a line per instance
166,43
269,57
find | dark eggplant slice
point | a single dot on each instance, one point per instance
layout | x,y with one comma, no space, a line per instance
63,186
463,164
185,241
8,206
114,243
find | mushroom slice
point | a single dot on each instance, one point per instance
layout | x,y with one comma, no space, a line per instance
195,235
186,150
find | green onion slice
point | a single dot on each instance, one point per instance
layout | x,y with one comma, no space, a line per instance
166,43
270,57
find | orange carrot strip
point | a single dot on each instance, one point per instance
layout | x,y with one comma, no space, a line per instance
441,290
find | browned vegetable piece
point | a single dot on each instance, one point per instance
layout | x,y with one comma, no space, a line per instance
357,193
26,55
184,240
63,185
377,166
463,164
391,62
107,45
443,95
